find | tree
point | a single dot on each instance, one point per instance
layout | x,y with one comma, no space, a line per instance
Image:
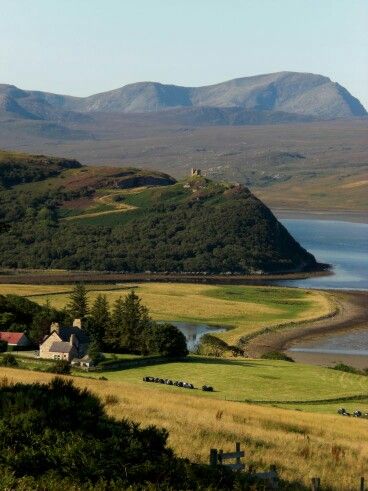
94,351
99,319
3,346
78,302
166,340
41,322
130,320
112,334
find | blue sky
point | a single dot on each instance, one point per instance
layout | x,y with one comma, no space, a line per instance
80,47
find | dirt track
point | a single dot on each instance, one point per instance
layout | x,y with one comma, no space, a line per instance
352,313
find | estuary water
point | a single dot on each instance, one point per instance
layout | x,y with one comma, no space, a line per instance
344,245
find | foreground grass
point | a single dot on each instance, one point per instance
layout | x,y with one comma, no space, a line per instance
301,445
244,309
269,381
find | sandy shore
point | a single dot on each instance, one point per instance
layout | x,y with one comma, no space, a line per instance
329,359
352,313
343,215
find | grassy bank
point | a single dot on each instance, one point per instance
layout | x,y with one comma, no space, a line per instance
244,309
302,445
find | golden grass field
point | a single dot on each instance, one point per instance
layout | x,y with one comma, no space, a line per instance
244,309
301,445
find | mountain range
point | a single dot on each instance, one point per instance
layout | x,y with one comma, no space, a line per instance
294,138
290,95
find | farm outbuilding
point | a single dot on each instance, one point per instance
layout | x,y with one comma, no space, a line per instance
16,339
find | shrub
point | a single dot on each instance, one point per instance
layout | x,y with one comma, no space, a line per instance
346,368
111,400
3,346
236,351
9,360
212,346
61,367
276,355
165,340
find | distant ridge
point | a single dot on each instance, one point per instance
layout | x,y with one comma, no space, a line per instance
285,93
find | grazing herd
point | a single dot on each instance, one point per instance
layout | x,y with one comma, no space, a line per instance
356,414
177,383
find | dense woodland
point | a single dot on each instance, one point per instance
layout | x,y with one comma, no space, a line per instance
198,226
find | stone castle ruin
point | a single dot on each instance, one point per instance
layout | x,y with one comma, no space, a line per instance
195,172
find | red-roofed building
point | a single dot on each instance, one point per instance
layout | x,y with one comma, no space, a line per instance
18,339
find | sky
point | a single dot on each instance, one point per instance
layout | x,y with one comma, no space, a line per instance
82,47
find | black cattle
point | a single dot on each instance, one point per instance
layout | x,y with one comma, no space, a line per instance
357,414
161,381
341,411
207,388
168,382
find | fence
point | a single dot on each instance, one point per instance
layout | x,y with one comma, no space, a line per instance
219,457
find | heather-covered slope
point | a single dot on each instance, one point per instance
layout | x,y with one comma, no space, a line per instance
98,218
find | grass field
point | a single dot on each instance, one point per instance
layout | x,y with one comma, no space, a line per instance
244,309
270,381
300,444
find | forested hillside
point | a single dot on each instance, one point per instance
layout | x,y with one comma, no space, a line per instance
124,219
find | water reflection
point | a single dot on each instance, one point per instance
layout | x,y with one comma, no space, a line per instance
194,332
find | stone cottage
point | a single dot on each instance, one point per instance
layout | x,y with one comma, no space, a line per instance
65,343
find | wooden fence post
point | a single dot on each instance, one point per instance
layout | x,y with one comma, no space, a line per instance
316,483
219,457
213,456
237,449
362,487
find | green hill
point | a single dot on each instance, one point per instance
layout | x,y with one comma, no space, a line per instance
124,219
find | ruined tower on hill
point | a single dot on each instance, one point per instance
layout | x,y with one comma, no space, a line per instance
195,172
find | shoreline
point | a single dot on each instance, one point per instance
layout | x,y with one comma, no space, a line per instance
351,314
65,277
333,215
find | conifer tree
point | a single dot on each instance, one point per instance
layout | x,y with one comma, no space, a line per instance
78,302
112,334
99,319
130,321
135,322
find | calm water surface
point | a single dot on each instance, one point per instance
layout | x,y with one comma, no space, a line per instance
344,245
194,332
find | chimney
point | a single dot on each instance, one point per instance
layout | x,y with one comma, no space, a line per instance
55,326
73,341
77,323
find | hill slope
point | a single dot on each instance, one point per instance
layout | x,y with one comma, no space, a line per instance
115,219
